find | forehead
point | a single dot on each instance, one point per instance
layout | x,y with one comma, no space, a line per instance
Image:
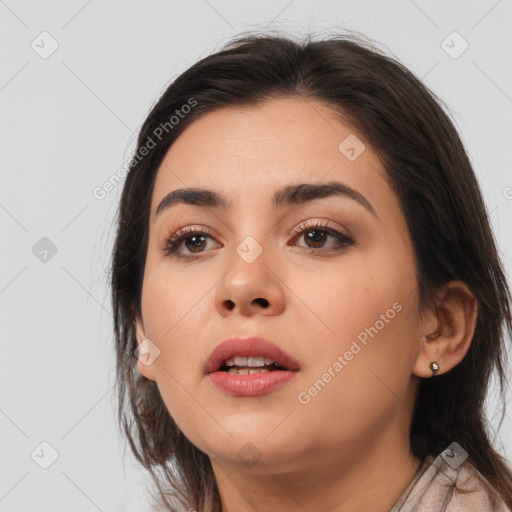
249,152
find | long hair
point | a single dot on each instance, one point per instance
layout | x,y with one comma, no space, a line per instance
428,169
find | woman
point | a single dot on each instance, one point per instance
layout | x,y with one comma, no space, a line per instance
308,299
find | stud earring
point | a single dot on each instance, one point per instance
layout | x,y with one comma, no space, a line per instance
435,368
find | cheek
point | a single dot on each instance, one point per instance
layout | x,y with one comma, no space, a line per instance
172,310
337,300
361,380
365,314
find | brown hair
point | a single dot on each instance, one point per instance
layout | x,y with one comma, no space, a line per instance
431,174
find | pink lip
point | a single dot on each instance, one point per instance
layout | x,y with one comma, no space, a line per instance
250,385
255,384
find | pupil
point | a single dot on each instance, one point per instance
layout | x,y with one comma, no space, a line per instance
196,238
314,239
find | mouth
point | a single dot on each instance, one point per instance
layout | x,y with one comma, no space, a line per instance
246,356
240,365
250,367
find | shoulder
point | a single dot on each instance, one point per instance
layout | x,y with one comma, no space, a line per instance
449,483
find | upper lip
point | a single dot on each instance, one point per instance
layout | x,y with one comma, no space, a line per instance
245,347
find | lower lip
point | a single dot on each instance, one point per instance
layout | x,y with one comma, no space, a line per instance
255,384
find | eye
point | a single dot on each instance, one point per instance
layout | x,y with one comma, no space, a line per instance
197,243
316,234
195,240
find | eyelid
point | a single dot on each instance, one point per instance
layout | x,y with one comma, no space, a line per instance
174,235
189,229
320,224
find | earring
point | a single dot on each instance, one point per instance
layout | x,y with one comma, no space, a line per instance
434,367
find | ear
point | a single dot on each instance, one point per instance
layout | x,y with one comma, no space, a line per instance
148,370
449,330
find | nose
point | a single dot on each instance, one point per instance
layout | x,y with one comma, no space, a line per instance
251,287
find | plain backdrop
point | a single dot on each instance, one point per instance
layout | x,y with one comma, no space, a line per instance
77,78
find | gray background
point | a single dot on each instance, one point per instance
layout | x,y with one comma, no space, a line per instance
68,123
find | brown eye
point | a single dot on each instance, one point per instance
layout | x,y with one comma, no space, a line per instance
192,239
316,235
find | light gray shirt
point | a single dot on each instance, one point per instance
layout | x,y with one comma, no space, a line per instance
449,483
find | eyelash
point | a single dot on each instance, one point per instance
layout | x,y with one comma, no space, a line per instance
172,244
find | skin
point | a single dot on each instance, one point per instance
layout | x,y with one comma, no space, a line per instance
348,448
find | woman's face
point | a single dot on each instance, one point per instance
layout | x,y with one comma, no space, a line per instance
346,309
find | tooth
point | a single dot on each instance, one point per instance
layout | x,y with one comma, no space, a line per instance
246,371
230,362
255,361
240,361
268,360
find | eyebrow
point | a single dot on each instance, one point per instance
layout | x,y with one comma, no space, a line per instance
287,196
